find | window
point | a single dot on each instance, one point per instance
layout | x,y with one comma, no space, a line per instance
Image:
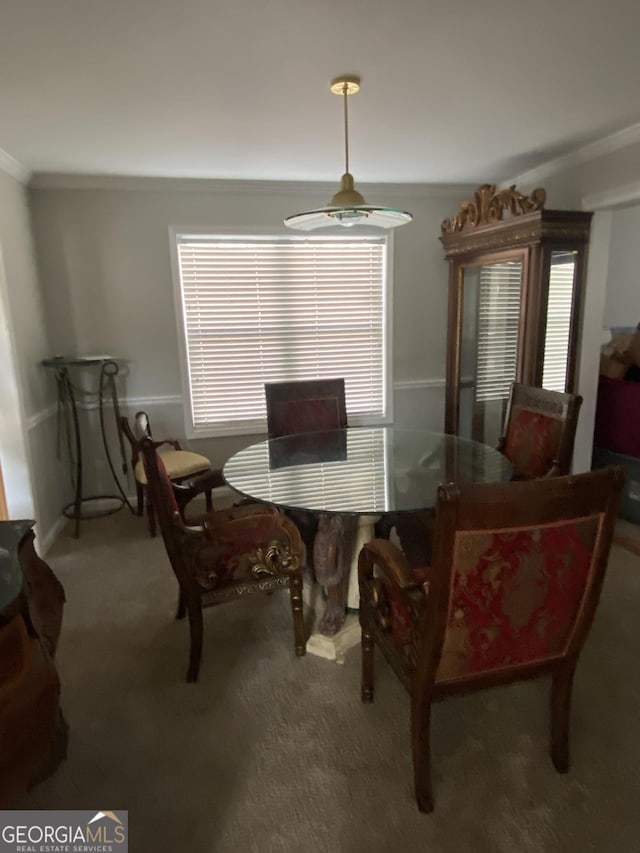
258,309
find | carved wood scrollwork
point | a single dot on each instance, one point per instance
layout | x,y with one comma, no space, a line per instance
273,561
488,206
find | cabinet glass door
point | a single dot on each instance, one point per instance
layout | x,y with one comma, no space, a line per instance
489,339
562,276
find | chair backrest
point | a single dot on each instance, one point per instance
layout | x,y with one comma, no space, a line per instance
143,425
142,429
164,501
540,430
517,571
308,405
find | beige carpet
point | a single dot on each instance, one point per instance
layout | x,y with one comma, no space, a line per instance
274,753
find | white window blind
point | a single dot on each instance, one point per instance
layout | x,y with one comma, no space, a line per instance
259,310
498,329
559,311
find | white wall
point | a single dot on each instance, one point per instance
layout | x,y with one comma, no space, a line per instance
622,303
103,251
27,393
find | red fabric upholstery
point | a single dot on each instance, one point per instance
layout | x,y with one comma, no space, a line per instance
513,596
399,615
532,442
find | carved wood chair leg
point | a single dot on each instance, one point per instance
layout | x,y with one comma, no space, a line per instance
139,499
560,711
194,608
181,610
295,591
366,689
421,749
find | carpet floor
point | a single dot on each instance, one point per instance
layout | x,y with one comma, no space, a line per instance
276,754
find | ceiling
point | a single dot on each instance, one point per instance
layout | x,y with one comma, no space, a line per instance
239,89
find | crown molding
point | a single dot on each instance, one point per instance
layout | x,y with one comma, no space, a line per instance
321,189
617,197
13,168
606,145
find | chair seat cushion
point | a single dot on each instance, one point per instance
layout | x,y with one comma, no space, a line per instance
179,463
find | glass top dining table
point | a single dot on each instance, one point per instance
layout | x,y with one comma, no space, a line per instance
360,470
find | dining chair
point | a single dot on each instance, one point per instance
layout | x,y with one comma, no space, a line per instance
539,432
223,555
304,406
510,594
180,464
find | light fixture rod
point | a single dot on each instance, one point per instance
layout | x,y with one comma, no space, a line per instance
345,86
345,93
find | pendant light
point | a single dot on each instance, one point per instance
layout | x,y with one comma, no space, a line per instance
347,207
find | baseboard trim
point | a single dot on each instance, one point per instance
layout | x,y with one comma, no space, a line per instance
627,542
45,542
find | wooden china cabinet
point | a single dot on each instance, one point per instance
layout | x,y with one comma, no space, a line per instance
516,281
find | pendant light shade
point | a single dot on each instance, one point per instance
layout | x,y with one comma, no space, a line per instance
347,207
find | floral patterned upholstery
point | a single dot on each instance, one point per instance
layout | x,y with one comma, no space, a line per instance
532,442
514,595
511,592
540,431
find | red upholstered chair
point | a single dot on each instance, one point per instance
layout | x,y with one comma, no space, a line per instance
510,594
181,465
540,429
308,405
225,554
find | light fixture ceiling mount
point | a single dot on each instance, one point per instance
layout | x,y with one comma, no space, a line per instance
348,207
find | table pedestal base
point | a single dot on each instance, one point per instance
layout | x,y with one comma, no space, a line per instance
336,646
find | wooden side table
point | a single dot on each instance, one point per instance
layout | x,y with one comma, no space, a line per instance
33,734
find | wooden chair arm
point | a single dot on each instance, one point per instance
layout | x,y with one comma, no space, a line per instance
172,441
391,562
208,480
186,491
